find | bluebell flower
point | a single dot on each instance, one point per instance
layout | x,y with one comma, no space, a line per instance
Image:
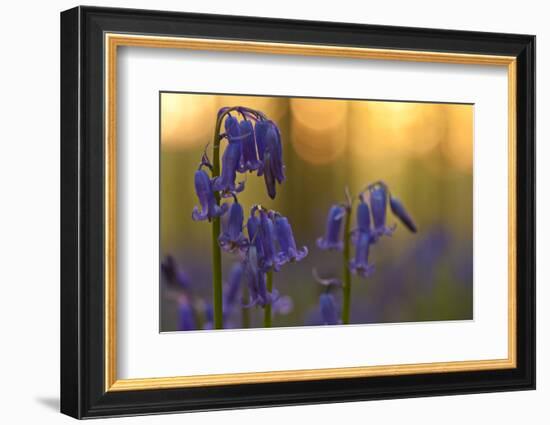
186,317
173,275
327,308
230,159
260,131
363,217
233,288
331,240
268,257
256,280
254,232
401,213
268,139
249,159
360,264
287,245
232,130
378,204
209,207
232,237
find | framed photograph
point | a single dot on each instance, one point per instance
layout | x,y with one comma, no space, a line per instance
261,212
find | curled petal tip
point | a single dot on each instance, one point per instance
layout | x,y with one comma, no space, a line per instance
197,215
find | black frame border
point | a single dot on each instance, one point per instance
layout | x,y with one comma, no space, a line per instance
82,212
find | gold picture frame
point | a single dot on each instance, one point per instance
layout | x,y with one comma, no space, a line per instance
114,41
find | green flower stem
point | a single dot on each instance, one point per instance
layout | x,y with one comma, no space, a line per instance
245,311
267,308
346,289
216,228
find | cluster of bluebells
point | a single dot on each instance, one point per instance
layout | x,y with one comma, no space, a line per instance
268,246
194,312
370,228
253,146
370,225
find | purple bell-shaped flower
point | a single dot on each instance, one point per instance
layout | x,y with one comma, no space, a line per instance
401,213
360,264
209,207
232,237
327,308
268,140
378,204
331,240
287,245
249,158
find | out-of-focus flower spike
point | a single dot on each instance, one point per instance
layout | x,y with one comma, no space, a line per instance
378,204
186,317
173,275
327,308
401,213
282,305
233,288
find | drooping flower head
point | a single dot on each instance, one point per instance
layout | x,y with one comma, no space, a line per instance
401,213
230,159
363,217
331,240
232,130
269,254
378,204
232,237
249,159
285,238
268,140
209,208
254,232
327,308
360,264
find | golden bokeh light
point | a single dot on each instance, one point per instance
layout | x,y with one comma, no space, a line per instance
379,129
458,146
319,129
380,135
185,120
